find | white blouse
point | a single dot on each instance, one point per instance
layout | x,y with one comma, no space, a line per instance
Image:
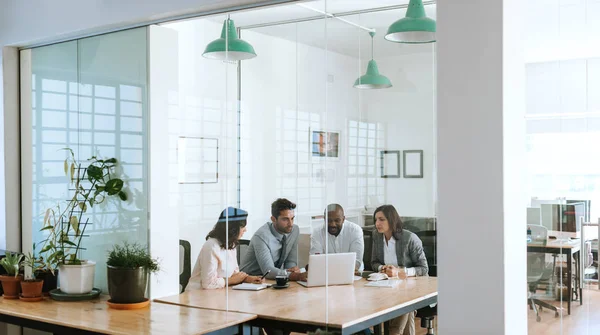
214,265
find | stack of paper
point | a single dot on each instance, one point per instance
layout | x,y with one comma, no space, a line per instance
384,283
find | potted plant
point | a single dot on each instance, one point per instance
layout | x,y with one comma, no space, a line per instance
90,186
31,287
10,281
128,268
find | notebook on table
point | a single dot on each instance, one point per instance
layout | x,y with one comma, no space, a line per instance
251,287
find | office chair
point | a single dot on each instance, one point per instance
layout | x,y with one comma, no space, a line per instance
185,264
429,239
241,250
537,271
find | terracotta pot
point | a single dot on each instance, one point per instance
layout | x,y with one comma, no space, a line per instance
32,288
10,285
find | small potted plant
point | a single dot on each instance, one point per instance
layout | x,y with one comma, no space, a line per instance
10,281
128,268
31,287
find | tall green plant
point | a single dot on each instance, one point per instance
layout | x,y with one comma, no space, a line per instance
90,185
11,263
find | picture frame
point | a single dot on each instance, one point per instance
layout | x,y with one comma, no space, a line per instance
389,163
198,160
412,163
325,144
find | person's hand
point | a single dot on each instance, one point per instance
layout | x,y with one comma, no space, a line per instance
297,276
294,269
391,271
237,278
402,273
254,280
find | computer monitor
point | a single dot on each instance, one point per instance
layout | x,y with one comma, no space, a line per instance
587,204
534,216
563,221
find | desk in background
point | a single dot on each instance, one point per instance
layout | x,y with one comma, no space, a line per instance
94,317
350,308
572,250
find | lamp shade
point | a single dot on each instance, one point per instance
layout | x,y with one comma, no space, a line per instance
372,79
415,27
229,46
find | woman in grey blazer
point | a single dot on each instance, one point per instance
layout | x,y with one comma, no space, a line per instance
398,253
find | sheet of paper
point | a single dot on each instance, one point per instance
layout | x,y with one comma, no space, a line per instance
384,283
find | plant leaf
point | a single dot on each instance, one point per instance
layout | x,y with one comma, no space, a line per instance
46,248
83,206
111,160
67,242
72,171
75,224
123,195
47,216
46,228
94,173
114,186
66,168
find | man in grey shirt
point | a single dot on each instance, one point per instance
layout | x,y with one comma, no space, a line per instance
274,246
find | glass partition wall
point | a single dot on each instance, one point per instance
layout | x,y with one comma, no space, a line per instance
290,123
214,119
85,100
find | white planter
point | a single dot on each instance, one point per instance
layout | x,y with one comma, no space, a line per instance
76,279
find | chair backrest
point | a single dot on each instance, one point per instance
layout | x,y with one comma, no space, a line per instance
368,239
185,264
429,240
536,262
241,250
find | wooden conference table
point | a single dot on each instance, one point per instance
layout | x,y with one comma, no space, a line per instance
572,250
348,308
94,317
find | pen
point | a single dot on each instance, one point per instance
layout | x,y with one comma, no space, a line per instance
263,277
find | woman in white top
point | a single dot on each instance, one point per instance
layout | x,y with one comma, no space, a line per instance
217,264
398,253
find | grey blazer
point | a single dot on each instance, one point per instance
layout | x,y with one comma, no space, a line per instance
409,251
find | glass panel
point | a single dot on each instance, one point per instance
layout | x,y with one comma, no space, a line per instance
77,105
562,182
290,124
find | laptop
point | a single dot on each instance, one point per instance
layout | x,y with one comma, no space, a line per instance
330,269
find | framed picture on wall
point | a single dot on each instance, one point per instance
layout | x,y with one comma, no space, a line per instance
197,160
390,163
325,144
413,163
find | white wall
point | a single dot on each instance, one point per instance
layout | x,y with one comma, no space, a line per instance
287,90
204,106
481,152
408,111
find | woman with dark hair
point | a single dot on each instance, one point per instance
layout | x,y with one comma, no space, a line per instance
398,253
217,262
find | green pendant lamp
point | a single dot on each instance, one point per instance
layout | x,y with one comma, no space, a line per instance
372,79
229,46
414,28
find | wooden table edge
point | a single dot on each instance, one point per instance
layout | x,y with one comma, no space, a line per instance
245,318
340,326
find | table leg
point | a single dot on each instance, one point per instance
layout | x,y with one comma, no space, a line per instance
377,329
569,282
580,275
386,328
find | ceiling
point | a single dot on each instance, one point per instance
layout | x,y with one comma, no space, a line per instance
333,34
